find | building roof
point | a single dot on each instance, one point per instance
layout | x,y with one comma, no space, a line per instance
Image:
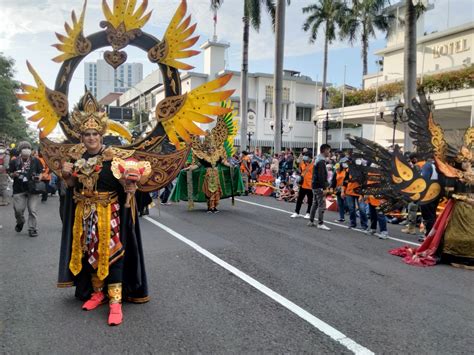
300,79
109,98
428,38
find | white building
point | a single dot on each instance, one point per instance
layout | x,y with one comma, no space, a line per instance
437,52
102,79
299,96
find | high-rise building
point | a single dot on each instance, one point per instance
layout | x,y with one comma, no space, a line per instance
101,79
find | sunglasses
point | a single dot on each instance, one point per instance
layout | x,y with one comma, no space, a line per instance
90,134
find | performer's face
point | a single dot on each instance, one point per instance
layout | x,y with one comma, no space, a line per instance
91,139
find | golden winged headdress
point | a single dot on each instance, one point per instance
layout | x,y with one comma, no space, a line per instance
177,115
219,142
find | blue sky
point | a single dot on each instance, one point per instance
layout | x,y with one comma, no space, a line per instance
27,32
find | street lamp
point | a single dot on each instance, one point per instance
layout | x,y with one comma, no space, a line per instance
249,135
315,131
398,115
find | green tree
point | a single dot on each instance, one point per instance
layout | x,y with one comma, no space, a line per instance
361,22
12,124
330,15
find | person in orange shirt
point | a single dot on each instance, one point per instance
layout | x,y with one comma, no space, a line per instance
353,198
337,185
375,214
45,176
306,169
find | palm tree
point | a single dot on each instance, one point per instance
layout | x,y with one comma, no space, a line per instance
252,15
412,12
278,77
330,14
363,19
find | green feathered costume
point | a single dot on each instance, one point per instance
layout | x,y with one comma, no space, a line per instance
209,176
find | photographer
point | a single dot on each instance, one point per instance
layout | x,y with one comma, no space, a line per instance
25,171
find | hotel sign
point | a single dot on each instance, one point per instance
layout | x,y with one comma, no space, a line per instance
450,48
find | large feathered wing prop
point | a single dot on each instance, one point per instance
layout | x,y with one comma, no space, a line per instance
232,127
430,141
49,104
392,177
178,114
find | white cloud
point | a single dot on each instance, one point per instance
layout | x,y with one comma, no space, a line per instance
27,30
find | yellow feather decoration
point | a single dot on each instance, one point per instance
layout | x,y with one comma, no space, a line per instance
177,39
74,44
124,12
195,107
47,117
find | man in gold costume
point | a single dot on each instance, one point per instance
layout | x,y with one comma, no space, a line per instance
97,224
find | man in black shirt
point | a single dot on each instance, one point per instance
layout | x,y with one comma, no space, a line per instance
319,185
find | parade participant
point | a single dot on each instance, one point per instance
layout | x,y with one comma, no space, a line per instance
353,199
275,165
101,245
25,172
209,176
451,237
428,210
305,188
412,208
319,185
376,215
245,170
4,179
337,185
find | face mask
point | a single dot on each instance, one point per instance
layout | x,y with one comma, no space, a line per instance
306,159
26,152
2,151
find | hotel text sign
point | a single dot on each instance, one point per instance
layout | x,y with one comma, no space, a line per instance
450,48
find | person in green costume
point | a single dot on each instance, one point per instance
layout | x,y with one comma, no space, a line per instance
209,177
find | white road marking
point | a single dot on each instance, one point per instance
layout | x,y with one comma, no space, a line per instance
326,222
292,307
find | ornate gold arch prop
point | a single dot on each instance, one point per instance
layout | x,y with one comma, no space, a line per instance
176,114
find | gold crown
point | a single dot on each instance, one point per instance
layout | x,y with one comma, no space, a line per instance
87,115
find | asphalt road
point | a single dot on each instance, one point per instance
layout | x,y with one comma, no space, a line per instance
332,291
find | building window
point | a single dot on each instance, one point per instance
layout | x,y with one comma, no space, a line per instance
347,135
286,94
236,105
153,101
268,110
269,92
329,137
303,114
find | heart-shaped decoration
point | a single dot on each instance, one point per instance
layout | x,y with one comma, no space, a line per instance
115,58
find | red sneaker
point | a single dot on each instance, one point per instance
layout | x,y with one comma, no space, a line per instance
95,301
115,315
